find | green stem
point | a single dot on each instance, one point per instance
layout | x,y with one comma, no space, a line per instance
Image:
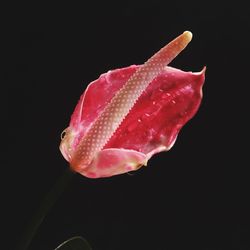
45,206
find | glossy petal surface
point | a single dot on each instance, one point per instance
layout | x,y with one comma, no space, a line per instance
152,125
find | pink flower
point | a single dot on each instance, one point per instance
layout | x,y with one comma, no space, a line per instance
127,115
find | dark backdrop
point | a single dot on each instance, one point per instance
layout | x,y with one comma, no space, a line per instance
192,197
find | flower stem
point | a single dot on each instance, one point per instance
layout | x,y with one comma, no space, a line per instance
45,206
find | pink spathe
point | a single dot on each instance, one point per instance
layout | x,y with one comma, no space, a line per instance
128,115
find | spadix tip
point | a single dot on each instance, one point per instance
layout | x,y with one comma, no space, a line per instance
188,35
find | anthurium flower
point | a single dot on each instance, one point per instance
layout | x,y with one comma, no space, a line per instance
127,115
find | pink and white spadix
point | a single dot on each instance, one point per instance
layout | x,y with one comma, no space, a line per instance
127,115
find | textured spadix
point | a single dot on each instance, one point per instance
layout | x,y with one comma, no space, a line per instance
92,128
120,105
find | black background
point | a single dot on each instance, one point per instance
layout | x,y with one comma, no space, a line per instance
192,197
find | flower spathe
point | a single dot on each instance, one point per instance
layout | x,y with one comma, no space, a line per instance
127,115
